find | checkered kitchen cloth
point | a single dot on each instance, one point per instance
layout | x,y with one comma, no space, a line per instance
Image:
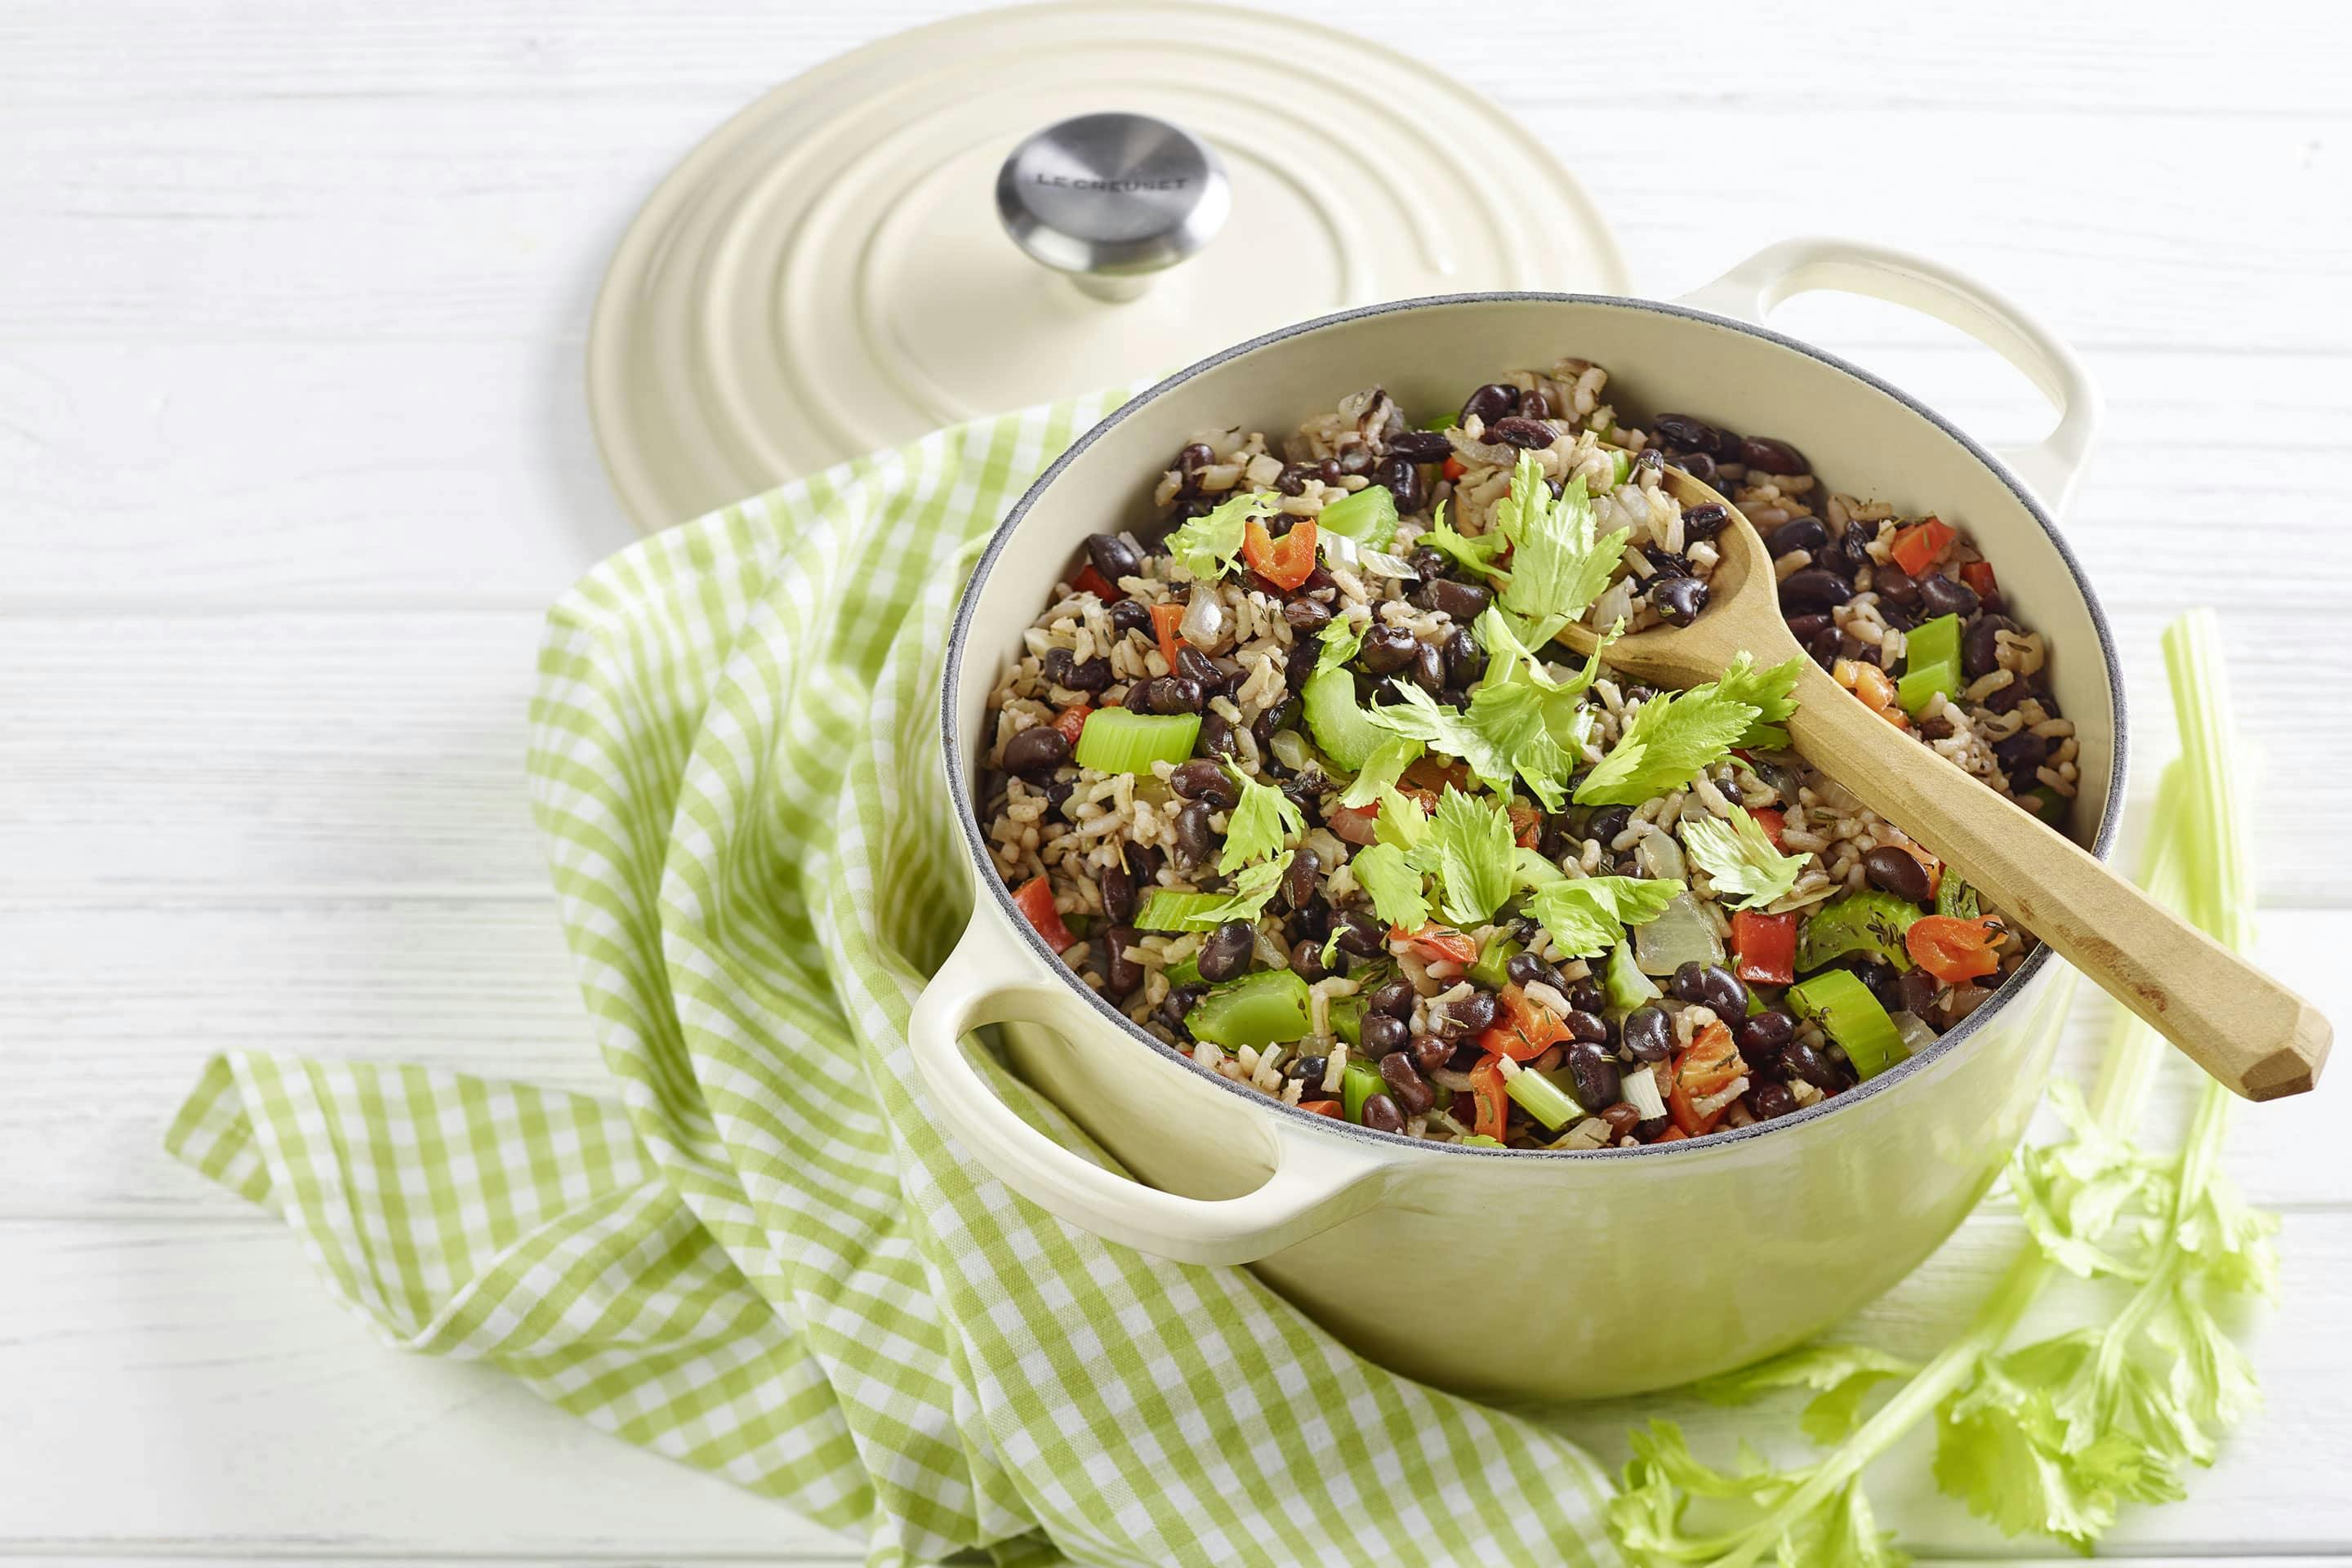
757,1254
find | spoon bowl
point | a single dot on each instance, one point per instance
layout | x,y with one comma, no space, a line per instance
2245,1028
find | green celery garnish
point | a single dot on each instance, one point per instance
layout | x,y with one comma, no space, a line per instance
1672,737
1392,884
1769,691
1167,910
1587,915
1205,546
1469,846
1264,821
1738,858
1474,553
1557,567
2057,1436
1381,772
1368,517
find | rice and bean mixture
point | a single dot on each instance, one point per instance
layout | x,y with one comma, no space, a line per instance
1295,778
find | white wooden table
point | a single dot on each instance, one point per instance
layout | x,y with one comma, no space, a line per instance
292,454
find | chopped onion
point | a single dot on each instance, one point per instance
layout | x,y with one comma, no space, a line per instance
1204,625
1640,1088
1662,858
1681,934
1917,1035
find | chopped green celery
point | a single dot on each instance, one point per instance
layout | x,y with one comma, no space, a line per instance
1359,1083
1933,642
1479,1141
1184,971
1867,921
1079,926
1956,898
1347,1018
1626,986
1920,686
1544,1096
1488,970
1852,1017
1368,517
1342,730
1117,741
2046,803
1261,1009
1756,1003
1624,467
1441,423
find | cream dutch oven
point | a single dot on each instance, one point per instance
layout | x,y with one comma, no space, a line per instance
1603,1272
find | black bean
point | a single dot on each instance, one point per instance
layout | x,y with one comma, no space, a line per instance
1678,600
2022,752
1893,586
1654,461
1327,470
1713,986
1942,595
1056,793
1806,627
2003,698
1130,616
1402,481
1380,1114
1282,715
1226,951
1113,557
1684,434
1462,601
1884,981
1494,401
1429,1053
1294,478
1534,405
1175,1004
1469,1017
1306,960
1589,1027
1411,1090
1526,967
1202,779
1359,933
1167,694
1216,738
1527,434
1389,648
1196,456
1705,520
1769,1100
1649,1034
1797,534
1850,552
1117,892
1306,615
1621,1119
1428,668
1463,657
1762,1036
1308,1070
1121,975
1697,464
1980,649
1595,1076
1196,841
1667,561
1382,1034
1773,457
1393,1000
1039,749
1421,445
1799,1061
1603,825
1813,588
1649,1129
1586,996
1919,991
1427,564
1897,872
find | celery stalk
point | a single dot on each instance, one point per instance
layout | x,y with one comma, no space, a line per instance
1263,1009
1117,741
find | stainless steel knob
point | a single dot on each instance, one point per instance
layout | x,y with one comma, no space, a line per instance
1111,199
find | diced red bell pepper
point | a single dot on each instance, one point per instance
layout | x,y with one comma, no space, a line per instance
1287,562
1670,1135
1330,1107
1772,821
1978,574
1089,580
1916,548
1036,903
1434,941
1764,947
1072,721
1453,469
1355,824
1954,950
1710,1065
1429,774
1526,825
1165,618
1487,1093
1525,1031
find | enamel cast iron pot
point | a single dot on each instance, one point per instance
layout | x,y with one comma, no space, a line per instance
1599,1272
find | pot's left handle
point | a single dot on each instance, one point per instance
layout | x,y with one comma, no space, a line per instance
1750,291
1317,1181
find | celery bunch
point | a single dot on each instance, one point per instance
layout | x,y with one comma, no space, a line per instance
2056,1436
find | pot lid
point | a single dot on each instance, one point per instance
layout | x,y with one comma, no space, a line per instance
836,269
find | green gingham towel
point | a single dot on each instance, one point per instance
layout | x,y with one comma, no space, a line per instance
759,1255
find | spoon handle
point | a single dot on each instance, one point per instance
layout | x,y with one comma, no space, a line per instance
2251,1033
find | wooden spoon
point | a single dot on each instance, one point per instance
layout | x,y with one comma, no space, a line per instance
2240,1025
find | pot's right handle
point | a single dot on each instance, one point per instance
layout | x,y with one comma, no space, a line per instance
1318,1180
1750,291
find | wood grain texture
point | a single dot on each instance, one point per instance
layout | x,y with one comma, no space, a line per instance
293,452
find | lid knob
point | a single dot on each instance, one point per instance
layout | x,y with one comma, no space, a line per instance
1112,198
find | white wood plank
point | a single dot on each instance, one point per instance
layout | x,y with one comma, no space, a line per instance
133,997
205,1363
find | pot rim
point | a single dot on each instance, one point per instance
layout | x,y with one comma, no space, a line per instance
967,821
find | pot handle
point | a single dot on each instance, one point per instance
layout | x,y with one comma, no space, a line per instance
1792,267
1317,1181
